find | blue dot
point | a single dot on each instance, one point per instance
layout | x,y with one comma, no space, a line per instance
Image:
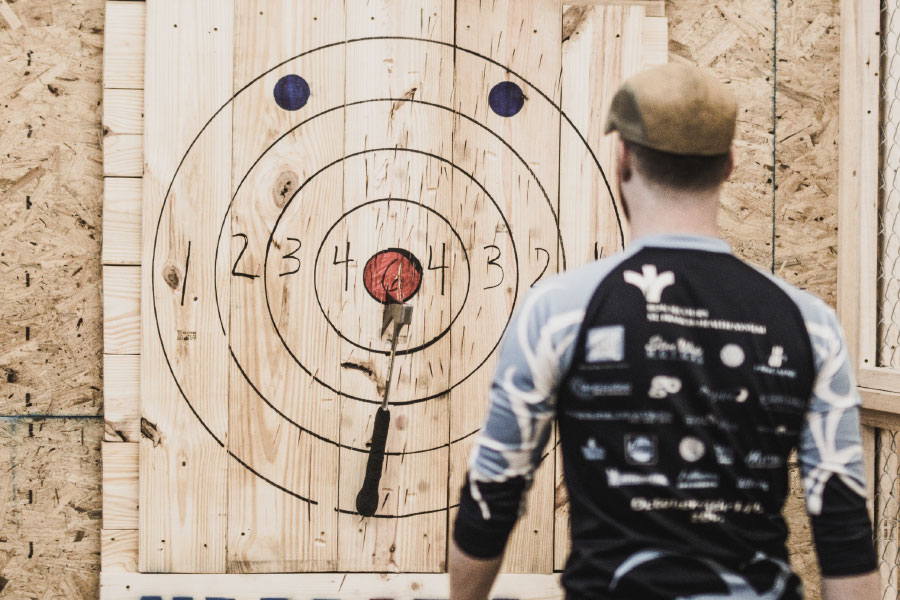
291,92
506,99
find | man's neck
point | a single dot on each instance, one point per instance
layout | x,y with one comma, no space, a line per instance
664,211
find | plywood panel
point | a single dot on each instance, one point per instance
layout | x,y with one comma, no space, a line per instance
184,407
121,398
515,158
588,86
123,55
269,529
121,310
122,220
397,538
120,485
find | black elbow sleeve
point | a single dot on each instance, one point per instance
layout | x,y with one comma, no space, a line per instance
843,532
481,537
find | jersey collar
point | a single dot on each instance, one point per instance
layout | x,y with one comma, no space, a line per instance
681,241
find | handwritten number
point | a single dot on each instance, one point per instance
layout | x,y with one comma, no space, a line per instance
187,265
546,263
346,262
492,262
598,251
441,267
234,270
292,257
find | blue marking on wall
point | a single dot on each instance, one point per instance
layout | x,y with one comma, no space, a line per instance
291,92
506,99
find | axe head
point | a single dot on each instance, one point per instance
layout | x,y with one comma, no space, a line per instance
398,314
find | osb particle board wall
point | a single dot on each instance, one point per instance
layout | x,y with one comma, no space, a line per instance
51,194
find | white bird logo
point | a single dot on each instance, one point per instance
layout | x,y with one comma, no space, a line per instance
651,283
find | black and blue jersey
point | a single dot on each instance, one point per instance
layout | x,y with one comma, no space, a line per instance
682,380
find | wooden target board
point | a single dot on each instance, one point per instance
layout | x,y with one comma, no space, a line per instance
307,163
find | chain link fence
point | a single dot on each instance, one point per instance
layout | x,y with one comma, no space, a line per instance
889,183
887,452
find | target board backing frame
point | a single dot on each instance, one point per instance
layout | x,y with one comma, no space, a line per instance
301,160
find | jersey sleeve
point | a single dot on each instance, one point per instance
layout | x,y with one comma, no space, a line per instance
830,454
535,351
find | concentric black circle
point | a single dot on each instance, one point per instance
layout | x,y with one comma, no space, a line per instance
167,196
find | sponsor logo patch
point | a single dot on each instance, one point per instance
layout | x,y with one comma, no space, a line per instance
617,478
587,390
641,449
740,396
662,386
592,452
757,459
732,355
650,282
691,449
746,483
724,454
605,344
693,479
658,348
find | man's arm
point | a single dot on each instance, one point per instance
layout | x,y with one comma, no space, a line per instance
471,578
830,455
858,587
510,446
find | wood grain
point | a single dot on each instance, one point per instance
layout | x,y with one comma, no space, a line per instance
121,398
119,550
269,530
588,86
183,461
120,485
122,197
123,56
121,310
123,112
396,69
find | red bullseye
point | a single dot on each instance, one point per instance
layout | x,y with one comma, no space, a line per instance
392,276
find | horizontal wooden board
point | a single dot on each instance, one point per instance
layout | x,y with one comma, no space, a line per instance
123,155
121,310
120,485
123,111
121,398
122,220
119,586
123,54
119,550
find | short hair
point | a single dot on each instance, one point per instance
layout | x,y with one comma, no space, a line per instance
679,171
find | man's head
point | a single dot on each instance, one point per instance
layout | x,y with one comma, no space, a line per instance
675,125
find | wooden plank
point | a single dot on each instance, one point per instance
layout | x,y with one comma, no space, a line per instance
655,43
266,33
123,46
121,398
880,378
123,586
868,121
122,198
869,434
588,86
653,8
184,360
120,485
119,550
123,112
123,156
415,482
513,157
121,310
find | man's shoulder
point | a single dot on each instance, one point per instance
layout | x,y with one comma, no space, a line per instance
814,310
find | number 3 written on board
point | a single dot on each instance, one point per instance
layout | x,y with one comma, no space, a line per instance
290,255
492,262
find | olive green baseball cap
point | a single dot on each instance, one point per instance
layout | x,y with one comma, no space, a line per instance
675,108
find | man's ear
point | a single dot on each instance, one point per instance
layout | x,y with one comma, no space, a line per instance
624,159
